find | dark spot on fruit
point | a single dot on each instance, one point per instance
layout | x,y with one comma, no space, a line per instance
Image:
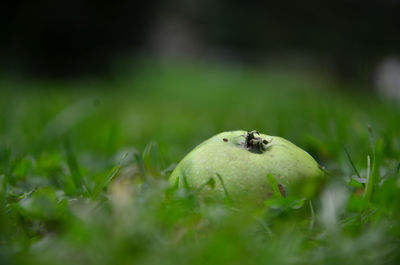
225,140
282,190
265,141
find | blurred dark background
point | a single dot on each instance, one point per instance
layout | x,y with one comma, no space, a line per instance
75,38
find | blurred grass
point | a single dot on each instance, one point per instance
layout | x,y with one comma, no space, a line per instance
83,169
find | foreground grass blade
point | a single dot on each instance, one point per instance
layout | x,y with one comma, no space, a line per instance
72,162
374,178
352,163
277,191
113,173
228,197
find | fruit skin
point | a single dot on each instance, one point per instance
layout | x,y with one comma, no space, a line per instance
244,169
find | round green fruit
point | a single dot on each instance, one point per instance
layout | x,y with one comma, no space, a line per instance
248,166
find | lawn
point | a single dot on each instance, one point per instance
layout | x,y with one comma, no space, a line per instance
84,168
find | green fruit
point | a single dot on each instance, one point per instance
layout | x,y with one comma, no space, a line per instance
247,166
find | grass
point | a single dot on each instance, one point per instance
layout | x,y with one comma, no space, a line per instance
84,169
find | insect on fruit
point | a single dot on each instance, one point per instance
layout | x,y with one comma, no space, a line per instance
255,143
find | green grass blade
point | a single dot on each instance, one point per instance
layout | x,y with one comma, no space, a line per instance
374,178
277,189
352,163
73,167
227,196
113,173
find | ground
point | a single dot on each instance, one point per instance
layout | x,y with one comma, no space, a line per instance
84,168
